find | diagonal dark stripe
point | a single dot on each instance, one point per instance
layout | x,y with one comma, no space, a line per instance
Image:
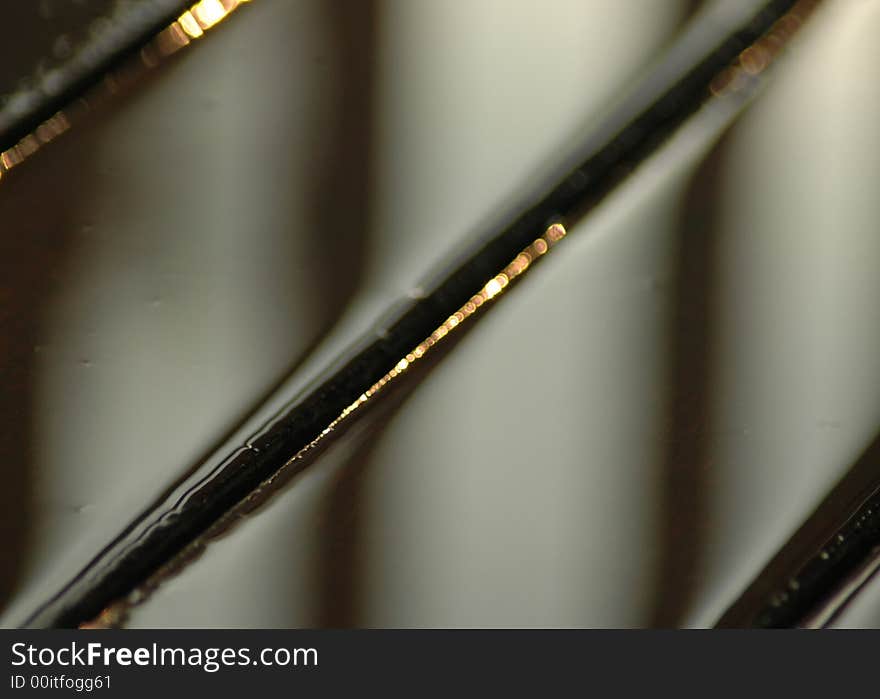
575,192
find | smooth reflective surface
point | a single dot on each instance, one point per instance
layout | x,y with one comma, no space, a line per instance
627,406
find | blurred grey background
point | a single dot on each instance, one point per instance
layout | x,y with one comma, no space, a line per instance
624,441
